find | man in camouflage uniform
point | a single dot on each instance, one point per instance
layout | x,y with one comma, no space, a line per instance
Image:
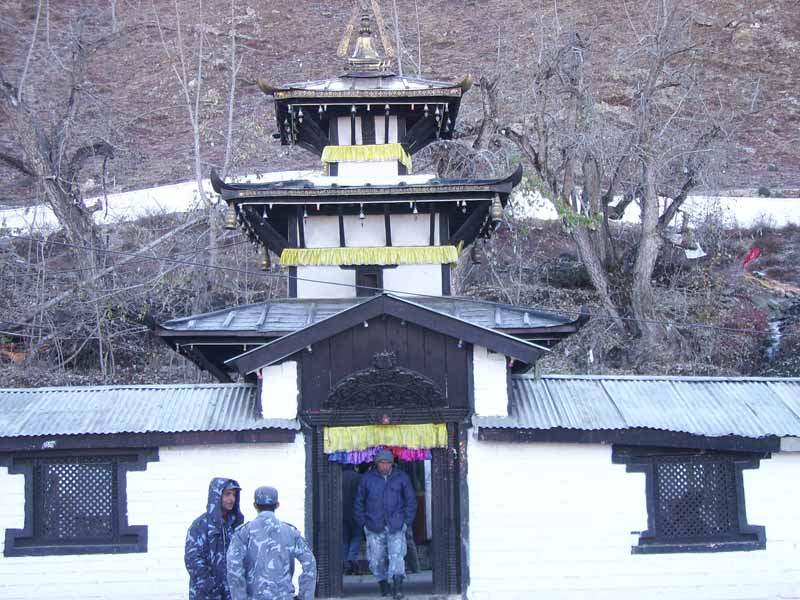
262,554
385,507
208,539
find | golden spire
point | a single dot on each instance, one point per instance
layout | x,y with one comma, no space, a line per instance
365,58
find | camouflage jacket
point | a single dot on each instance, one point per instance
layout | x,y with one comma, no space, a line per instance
261,561
207,544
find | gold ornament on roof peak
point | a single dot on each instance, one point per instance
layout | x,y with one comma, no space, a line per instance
365,58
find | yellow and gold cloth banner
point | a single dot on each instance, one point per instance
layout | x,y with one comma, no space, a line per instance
366,153
378,255
348,439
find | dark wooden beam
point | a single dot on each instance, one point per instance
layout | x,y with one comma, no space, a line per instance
201,361
301,230
274,240
632,437
432,232
342,241
57,443
470,228
387,224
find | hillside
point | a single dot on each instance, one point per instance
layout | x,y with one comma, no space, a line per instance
749,62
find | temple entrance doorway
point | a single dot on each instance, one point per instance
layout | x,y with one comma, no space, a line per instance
435,547
357,580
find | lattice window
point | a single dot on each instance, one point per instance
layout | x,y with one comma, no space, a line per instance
76,499
695,500
76,504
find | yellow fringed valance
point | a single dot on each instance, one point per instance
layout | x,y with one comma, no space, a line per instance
378,255
366,153
348,439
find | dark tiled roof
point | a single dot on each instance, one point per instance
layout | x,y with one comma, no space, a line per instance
712,407
287,315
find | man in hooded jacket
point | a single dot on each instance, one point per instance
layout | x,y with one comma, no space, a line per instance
208,539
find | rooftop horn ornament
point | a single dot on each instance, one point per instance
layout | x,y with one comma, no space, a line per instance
230,217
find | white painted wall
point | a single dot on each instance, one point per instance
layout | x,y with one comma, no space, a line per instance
319,289
279,391
166,497
380,129
414,279
375,169
555,520
321,231
413,230
367,232
491,388
343,127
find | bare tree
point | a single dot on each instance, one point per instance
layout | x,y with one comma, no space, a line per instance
652,148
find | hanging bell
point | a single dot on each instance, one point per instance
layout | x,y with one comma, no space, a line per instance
497,209
475,254
230,217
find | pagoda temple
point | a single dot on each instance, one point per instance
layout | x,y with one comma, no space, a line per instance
528,486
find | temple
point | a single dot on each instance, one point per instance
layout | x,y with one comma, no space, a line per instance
528,485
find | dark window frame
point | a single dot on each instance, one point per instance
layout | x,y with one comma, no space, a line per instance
652,541
126,539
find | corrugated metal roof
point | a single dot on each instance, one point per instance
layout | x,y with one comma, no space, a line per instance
712,407
289,315
132,409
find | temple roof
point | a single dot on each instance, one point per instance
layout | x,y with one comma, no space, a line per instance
290,314
331,187
385,86
212,338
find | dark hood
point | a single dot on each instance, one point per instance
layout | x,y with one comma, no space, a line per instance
214,504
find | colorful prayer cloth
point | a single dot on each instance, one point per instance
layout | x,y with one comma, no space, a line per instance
357,457
419,436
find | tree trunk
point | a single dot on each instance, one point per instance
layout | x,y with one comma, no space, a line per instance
642,297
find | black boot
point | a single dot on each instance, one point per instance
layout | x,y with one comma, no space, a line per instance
397,587
384,587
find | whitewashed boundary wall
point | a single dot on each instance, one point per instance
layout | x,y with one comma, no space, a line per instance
554,521
166,497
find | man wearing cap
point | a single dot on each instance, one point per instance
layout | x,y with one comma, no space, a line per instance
208,539
262,554
385,507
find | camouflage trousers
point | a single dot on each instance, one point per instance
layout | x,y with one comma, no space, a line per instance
386,553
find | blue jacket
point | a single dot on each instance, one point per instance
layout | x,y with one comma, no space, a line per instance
385,501
207,544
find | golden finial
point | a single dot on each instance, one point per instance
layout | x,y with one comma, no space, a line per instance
364,54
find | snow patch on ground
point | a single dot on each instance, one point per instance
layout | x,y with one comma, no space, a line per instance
181,197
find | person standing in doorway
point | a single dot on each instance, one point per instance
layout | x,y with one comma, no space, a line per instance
208,539
262,554
351,533
385,507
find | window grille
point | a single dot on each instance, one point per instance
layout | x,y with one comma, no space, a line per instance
695,500
75,499
76,504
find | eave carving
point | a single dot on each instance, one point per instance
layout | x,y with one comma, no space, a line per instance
385,385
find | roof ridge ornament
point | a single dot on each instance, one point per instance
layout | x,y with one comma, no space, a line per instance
366,61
